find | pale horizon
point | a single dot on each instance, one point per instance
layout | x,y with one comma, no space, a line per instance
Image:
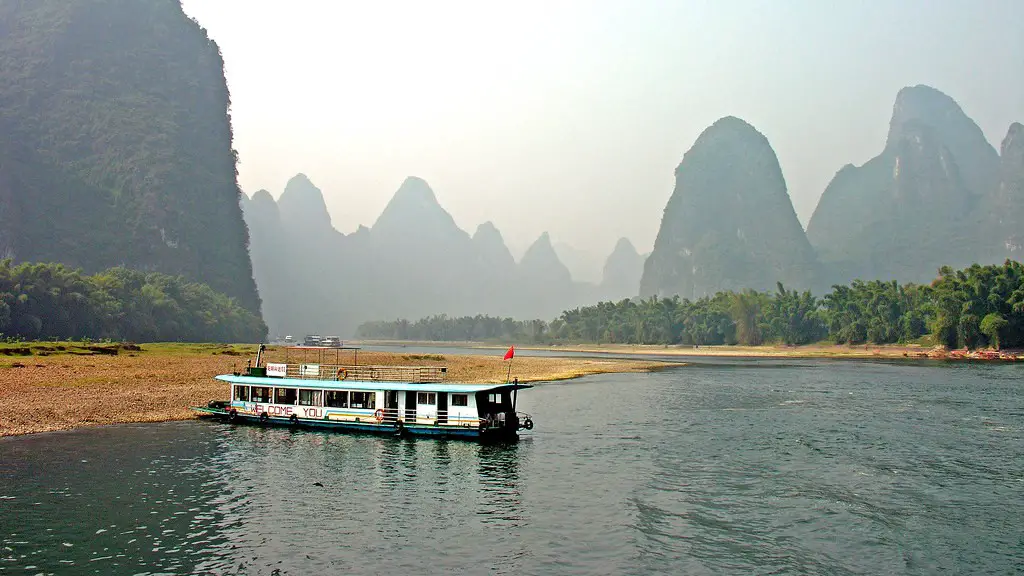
570,117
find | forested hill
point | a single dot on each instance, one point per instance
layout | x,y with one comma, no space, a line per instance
115,143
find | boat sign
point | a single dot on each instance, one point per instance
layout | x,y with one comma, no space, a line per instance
310,370
277,370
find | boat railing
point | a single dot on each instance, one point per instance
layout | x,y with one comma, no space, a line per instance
367,373
441,418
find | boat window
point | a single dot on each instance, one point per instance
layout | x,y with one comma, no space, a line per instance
460,399
364,399
242,393
260,394
284,396
336,399
309,397
494,398
428,398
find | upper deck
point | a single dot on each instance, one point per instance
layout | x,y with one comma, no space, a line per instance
368,386
364,373
320,367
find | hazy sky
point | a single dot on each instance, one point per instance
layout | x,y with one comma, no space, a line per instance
570,116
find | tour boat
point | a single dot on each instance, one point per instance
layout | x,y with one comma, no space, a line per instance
399,400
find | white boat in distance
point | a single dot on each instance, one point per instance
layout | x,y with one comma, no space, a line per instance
399,400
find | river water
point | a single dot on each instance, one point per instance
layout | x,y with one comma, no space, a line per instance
726,467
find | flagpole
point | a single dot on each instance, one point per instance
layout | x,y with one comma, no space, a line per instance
510,355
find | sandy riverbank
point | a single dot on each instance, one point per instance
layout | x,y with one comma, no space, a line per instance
46,387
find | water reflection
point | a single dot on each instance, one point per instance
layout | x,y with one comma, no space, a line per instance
500,494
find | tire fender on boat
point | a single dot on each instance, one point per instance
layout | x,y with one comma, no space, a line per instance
528,424
264,417
342,374
294,419
233,415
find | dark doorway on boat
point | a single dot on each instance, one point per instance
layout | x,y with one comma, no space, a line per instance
442,407
410,407
390,405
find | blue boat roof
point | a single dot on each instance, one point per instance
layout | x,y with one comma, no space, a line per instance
362,385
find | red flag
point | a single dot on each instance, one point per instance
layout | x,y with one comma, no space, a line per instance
511,352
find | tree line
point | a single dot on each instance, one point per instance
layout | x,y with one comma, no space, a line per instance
975,307
52,301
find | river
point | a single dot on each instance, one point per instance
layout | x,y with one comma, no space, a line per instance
722,467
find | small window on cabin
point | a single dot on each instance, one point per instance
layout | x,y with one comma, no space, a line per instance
309,397
260,394
242,393
460,399
285,395
336,399
364,400
426,398
494,398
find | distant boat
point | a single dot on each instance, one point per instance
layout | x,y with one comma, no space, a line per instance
398,400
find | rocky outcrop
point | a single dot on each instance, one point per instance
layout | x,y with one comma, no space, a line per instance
303,209
271,266
544,285
729,224
490,249
915,206
622,272
1008,210
923,106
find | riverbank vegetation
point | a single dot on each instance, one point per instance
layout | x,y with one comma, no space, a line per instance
977,307
43,301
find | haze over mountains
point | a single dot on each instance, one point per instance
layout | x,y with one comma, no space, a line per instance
413,262
938,194
120,153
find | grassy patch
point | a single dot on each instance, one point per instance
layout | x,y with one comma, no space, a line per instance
57,348
113,349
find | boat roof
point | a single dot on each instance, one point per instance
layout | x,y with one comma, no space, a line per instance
363,385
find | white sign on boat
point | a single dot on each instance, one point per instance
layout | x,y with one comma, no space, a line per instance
277,370
310,370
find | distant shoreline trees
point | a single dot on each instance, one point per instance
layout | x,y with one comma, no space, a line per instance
976,307
52,301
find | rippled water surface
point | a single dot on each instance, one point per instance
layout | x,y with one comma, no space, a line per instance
784,467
